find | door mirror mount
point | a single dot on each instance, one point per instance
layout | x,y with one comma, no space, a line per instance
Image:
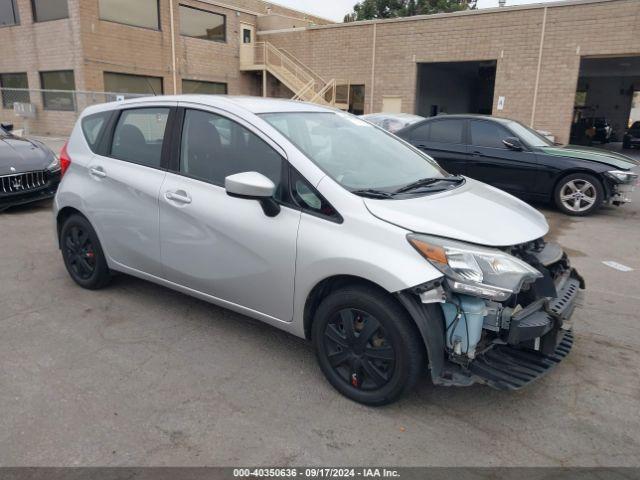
513,143
7,127
253,186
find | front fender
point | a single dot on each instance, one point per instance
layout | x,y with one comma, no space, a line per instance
367,248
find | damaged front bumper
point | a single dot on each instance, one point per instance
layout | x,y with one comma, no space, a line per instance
537,340
505,345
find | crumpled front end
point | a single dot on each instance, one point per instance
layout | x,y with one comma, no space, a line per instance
505,344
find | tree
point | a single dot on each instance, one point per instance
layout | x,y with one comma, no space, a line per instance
377,9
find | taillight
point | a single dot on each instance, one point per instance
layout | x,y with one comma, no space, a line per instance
65,159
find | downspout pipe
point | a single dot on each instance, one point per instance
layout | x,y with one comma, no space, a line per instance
173,49
373,68
537,84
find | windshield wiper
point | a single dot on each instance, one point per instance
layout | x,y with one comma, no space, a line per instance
372,193
425,182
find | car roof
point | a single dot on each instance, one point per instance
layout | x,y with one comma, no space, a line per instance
254,105
465,116
391,115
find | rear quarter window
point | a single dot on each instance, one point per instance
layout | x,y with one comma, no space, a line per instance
446,131
92,128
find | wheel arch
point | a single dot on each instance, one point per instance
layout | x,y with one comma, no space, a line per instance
428,319
62,215
324,287
565,173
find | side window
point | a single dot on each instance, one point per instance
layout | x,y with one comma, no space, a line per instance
488,134
421,132
214,147
92,126
139,135
310,200
447,131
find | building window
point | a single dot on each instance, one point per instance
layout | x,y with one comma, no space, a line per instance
14,80
139,13
8,13
202,24
46,10
59,80
126,83
204,88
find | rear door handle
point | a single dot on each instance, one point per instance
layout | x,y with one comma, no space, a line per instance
97,172
179,196
477,154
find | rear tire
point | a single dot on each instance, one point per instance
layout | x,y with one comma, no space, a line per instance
579,194
82,253
367,346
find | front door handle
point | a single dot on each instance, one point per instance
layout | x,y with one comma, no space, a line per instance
180,196
477,154
97,172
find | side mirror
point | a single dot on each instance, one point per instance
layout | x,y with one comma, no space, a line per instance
513,143
7,126
253,186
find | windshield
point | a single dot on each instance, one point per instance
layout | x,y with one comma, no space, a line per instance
529,136
353,152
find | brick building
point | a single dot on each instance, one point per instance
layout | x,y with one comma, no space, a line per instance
126,46
524,62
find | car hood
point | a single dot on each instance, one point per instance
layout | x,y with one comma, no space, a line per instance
474,212
23,155
614,159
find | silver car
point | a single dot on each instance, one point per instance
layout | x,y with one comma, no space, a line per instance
320,224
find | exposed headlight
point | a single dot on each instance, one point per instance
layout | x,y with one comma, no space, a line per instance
54,166
485,272
620,176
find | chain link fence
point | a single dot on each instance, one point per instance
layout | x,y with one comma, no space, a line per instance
50,112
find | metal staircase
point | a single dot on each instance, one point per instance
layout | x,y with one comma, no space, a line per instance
306,85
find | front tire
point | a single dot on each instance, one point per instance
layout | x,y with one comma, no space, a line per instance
579,194
367,346
82,253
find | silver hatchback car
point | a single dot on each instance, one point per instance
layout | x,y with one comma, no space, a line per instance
325,226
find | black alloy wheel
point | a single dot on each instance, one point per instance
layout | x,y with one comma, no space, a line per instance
82,253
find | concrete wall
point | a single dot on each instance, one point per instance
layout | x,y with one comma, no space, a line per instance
278,22
90,46
511,36
109,46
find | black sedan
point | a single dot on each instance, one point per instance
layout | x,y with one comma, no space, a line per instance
515,158
29,170
632,137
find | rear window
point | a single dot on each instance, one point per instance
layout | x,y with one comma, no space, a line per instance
92,127
139,136
447,131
